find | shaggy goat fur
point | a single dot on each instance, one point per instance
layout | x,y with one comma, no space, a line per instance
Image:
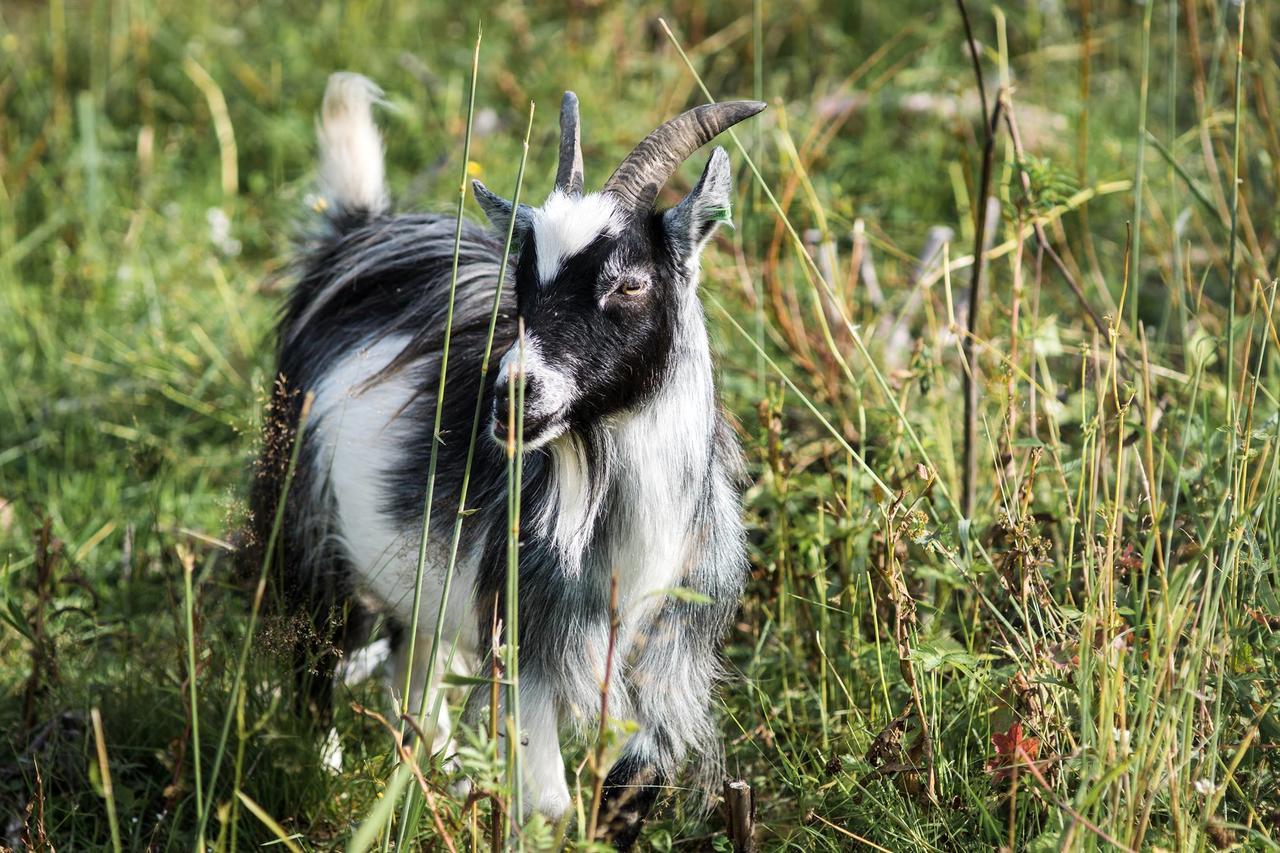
630,470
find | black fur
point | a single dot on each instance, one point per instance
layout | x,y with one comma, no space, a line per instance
373,276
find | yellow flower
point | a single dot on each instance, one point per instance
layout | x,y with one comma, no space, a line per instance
474,169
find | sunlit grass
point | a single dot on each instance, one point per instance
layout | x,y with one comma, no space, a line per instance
1087,662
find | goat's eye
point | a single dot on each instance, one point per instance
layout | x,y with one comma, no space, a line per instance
632,287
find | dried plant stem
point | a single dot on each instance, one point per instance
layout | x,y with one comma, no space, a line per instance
515,472
970,467
223,129
406,756
188,560
975,310
601,735
973,55
104,768
495,680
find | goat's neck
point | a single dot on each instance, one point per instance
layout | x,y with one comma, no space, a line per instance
629,492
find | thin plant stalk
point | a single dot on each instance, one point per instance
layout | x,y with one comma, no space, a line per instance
968,497
460,517
1228,566
752,239
429,498
495,818
480,394
104,768
188,601
515,471
1140,170
420,570
269,822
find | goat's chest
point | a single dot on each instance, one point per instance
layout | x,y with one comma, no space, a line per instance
648,542
645,547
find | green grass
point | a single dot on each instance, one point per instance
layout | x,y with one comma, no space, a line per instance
1114,595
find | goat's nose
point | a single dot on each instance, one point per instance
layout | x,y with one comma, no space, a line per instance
501,403
505,396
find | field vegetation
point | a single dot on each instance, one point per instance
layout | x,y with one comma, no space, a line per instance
1014,555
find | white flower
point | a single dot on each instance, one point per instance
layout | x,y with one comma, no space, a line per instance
220,231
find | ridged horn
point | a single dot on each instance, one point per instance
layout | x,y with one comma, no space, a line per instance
569,172
639,177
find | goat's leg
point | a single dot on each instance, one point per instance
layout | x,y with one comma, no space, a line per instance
541,764
438,725
670,680
542,779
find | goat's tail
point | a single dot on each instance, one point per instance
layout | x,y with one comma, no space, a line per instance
351,170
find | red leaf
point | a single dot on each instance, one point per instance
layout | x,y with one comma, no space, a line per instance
1012,750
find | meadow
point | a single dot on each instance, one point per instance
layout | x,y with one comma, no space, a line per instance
997,327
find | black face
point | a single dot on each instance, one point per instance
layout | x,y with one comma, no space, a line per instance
598,335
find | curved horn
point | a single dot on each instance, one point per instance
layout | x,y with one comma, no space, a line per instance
569,172
637,180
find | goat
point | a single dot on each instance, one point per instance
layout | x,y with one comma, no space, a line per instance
630,469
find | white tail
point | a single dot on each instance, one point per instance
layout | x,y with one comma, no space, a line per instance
351,171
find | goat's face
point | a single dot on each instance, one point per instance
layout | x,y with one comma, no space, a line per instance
604,285
599,300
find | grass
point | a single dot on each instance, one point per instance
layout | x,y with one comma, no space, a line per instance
1086,661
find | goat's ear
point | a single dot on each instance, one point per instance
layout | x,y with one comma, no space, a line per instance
498,210
692,222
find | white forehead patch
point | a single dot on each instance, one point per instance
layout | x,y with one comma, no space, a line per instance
565,225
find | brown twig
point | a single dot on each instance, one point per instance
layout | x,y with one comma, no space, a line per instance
406,755
887,754
973,54
495,827
598,759
975,305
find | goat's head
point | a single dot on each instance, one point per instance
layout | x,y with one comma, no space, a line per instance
602,280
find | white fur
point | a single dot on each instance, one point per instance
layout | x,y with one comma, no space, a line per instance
541,763
570,516
650,453
351,169
566,225
361,664
358,433
331,752
656,448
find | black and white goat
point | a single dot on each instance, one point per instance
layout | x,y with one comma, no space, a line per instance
630,468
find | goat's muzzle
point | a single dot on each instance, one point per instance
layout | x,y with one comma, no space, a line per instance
536,428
